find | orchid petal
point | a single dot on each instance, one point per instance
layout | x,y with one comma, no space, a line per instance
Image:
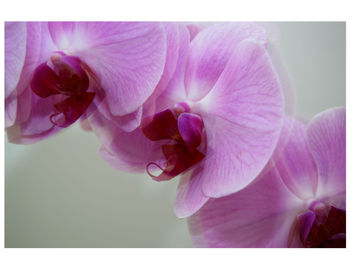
294,161
260,215
128,122
175,90
15,52
128,151
85,124
326,140
38,50
242,117
37,125
175,34
38,46
195,28
127,57
10,109
189,196
210,51
131,121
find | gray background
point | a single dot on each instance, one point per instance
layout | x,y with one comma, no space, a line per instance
60,193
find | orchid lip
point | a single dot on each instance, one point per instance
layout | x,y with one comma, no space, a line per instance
183,132
65,77
322,226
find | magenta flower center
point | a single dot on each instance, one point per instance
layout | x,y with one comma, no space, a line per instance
182,133
322,226
65,78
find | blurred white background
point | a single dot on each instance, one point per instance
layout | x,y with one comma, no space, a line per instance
60,193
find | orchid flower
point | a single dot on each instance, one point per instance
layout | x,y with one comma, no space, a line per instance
59,72
298,201
216,122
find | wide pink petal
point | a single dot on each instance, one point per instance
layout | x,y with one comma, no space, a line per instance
15,52
175,89
326,140
189,196
261,215
127,57
176,34
210,51
242,117
294,161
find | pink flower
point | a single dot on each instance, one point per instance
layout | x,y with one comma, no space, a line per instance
298,201
58,72
216,121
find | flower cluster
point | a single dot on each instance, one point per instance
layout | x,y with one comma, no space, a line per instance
201,101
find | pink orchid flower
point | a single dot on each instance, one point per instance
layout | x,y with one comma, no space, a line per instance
216,122
59,72
298,201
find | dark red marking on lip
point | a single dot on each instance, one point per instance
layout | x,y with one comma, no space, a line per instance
328,233
67,78
180,151
70,109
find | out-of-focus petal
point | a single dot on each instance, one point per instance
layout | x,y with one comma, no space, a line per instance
210,51
260,215
127,57
10,109
326,140
128,151
242,117
294,161
195,28
274,49
39,48
128,122
37,125
189,197
15,52
84,124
